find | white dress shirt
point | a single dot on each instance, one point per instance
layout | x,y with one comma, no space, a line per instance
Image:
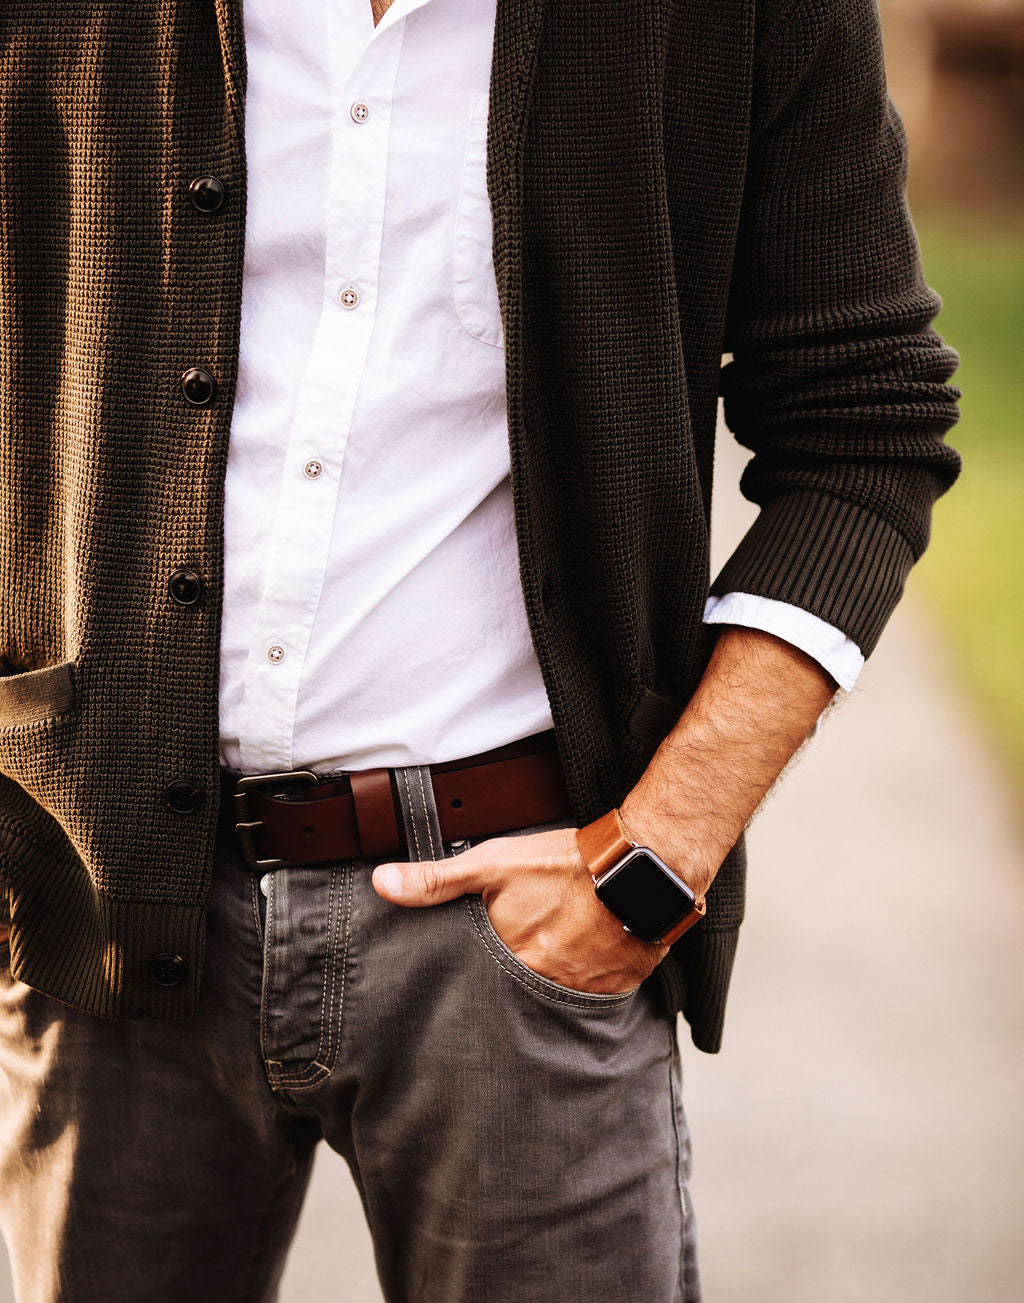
373,613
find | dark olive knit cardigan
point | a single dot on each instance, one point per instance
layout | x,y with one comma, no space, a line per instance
670,180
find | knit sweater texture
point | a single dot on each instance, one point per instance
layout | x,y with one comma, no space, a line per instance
670,182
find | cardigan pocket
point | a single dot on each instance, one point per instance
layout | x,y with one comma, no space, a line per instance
473,284
33,696
651,717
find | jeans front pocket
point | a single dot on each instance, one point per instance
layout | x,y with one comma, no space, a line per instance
507,959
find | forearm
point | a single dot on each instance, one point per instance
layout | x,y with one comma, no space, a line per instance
754,707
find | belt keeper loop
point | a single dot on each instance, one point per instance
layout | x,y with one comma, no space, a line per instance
376,818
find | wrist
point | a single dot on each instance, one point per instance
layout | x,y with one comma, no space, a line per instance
750,713
652,899
692,851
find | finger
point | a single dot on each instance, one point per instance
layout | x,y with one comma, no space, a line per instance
428,882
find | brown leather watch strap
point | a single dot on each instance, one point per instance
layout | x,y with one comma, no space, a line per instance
603,842
695,915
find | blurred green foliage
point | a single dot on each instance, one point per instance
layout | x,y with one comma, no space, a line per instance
973,573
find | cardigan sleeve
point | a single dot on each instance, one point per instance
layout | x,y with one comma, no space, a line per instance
838,383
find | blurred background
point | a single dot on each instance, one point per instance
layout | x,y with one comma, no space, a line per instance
861,1135
956,71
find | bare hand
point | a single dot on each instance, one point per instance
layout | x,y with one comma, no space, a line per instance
539,895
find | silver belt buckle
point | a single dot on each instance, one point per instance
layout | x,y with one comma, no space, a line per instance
247,826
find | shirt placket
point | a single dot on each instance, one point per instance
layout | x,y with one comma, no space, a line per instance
362,93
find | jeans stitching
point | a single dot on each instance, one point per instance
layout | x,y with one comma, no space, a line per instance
268,970
316,1069
327,1007
429,813
673,1101
255,907
403,779
297,1084
344,950
578,1000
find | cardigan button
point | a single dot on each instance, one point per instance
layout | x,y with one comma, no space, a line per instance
185,587
183,796
207,193
167,969
198,386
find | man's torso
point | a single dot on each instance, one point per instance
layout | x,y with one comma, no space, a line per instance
372,609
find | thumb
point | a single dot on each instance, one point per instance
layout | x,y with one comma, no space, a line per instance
426,882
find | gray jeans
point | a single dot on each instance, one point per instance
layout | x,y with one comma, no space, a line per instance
512,1140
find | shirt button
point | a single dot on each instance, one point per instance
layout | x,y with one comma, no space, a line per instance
198,386
167,969
185,587
360,111
183,796
275,654
349,298
313,470
207,193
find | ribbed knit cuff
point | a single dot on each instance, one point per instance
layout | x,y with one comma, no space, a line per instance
833,558
111,958
112,976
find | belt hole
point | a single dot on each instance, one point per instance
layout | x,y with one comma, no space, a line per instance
456,802
309,831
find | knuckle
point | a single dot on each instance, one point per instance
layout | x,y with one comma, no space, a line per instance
432,878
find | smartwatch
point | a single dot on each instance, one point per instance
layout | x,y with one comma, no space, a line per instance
651,900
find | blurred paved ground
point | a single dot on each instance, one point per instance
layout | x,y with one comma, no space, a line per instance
861,1135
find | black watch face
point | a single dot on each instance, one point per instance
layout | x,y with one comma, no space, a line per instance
644,892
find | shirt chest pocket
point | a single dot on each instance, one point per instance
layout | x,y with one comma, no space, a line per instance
474,288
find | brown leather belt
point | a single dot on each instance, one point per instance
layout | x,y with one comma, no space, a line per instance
299,818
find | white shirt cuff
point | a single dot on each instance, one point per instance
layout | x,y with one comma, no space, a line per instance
829,646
